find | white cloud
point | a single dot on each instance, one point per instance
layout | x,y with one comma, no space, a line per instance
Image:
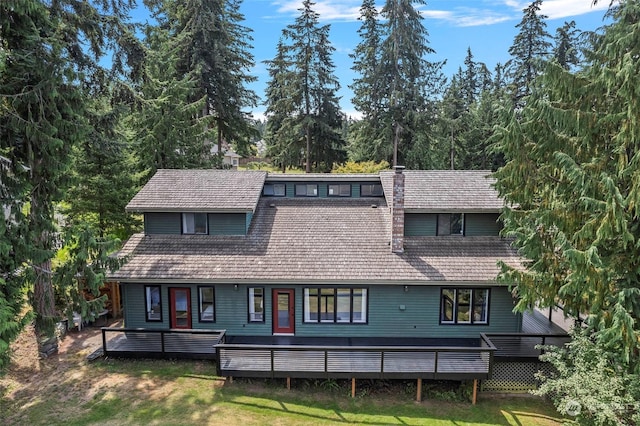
329,10
556,9
467,17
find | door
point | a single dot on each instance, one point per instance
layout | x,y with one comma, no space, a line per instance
283,311
180,307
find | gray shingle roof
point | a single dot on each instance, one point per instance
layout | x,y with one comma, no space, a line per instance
446,191
199,190
315,240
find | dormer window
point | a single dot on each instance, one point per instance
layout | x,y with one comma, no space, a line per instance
339,190
371,190
194,223
451,224
274,189
306,190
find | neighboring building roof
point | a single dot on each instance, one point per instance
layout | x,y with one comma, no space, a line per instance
172,190
451,191
315,241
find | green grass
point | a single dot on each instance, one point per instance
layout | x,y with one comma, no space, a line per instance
189,393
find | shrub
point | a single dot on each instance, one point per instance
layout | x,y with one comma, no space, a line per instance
590,383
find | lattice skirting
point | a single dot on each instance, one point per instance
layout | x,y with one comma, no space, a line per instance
514,376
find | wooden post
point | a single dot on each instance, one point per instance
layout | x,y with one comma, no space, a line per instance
474,398
419,390
353,387
288,383
230,379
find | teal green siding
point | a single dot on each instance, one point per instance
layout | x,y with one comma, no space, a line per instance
162,223
392,312
248,218
481,224
420,224
227,223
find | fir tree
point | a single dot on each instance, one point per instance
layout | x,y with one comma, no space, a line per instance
572,182
301,95
408,80
529,50
54,49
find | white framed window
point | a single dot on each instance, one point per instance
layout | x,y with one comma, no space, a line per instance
306,190
339,190
256,304
464,306
194,223
335,305
153,303
206,304
274,189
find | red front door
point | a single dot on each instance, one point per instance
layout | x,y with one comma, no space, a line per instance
180,307
283,310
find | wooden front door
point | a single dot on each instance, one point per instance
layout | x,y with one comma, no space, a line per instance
180,307
283,310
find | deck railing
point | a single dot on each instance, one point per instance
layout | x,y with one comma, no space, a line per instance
163,343
522,346
372,362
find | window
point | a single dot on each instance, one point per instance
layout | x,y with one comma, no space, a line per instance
335,305
194,223
371,190
339,190
464,306
256,304
206,304
306,190
274,189
451,224
153,302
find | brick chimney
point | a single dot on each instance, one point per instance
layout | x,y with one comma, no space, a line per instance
397,212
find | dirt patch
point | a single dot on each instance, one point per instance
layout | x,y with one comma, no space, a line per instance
63,380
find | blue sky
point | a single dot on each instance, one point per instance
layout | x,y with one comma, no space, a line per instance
486,26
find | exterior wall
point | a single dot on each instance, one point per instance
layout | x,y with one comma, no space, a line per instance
162,223
219,223
227,223
392,312
481,224
420,224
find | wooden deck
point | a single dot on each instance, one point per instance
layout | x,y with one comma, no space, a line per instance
144,343
306,357
373,362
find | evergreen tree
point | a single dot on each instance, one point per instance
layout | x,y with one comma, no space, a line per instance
284,145
529,50
367,140
407,79
566,50
102,175
213,50
167,127
302,93
53,52
572,182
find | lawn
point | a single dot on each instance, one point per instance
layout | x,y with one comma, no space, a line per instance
68,390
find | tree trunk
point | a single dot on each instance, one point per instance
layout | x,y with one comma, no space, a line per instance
308,167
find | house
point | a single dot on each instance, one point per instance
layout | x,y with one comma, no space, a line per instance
229,157
320,275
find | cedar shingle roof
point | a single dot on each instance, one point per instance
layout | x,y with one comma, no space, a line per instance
172,190
450,191
315,240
